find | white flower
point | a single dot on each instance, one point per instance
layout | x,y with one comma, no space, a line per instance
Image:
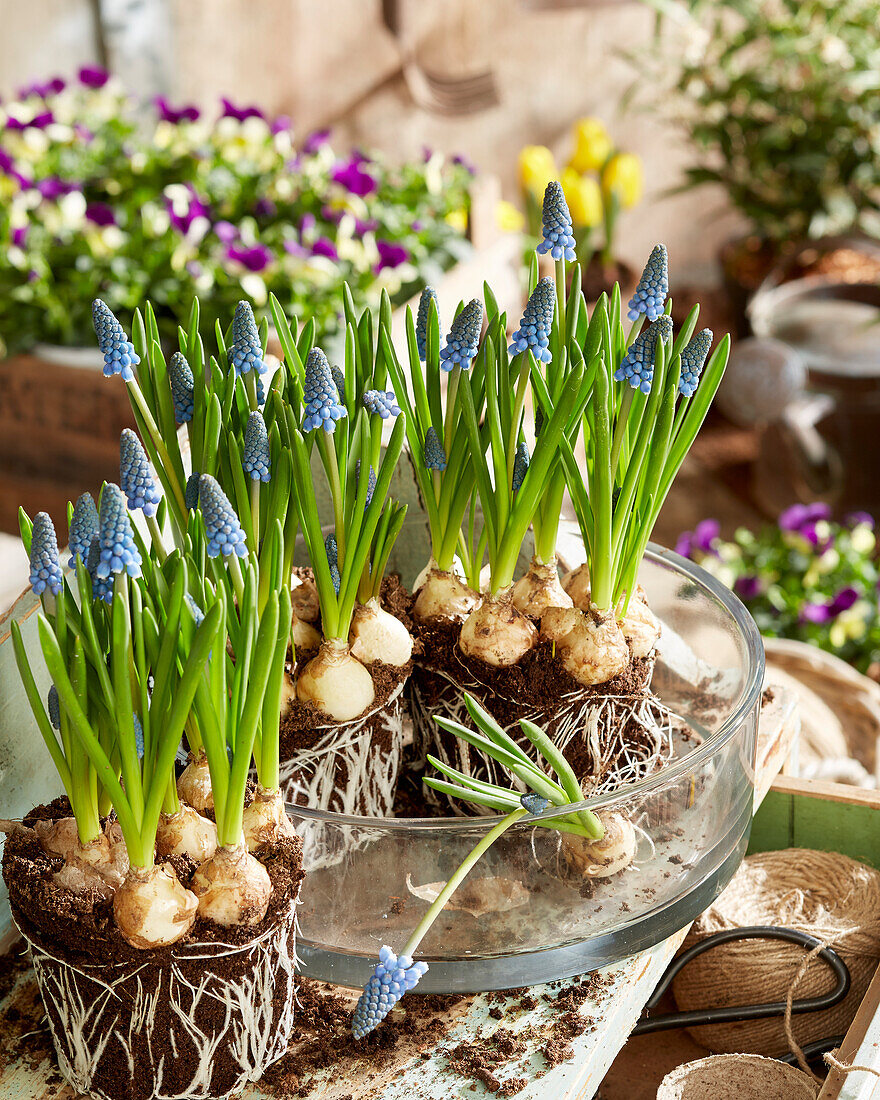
828,561
833,51
253,286
862,539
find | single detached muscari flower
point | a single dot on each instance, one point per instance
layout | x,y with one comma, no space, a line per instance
394,975
558,238
197,612
332,552
653,286
255,458
381,403
322,407
118,552
45,562
225,536
180,378
435,456
428,295
83,526
339,379
102,587
520,466
693,359
534,803
135,477
138,736
637,366
534,328
117,349
464,337
54,707
246,353
191,492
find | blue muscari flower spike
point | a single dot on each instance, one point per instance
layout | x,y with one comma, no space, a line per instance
435,456
339,379
534,328
261,393
138,736
321,397
117,349
332,552
381,403
637,366
83,526
182,383
394,975
225,536
197,612
650,295
693,359
534,803
191,492
428,295
117,548
45,562
371,482
54,707
135,477
464,337
255,457
558,237
102,588
246,353
520,466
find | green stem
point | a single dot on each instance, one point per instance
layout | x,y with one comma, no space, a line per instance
451,395
328,454
237,578
620,428
560,294
518,405
458,877
143,408
255,512
250,385
156,538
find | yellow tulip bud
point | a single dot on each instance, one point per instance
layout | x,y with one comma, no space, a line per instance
592,145
508,218
537,167
622,176
584,198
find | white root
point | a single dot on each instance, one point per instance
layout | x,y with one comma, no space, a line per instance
304,599
443,597
539,589
640,627
592,648
377,635
604,857
152,908
497,633
336,682
232,888
186,833
265,820
194,784
303,634
577,584
93,1000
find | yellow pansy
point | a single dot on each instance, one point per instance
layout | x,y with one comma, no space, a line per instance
622,176
592,145
537,167
508,218
584,198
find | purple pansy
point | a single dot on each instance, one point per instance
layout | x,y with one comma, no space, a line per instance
93,76
226,231
264,208
281,124
51,87
239,113
799,516
700,539
857,519
294,248
315,140
38,122
7,167
307,222
353,177
463,162
100,213
824,612
323,246
19,236
748,587
390,255
188,113
256,258
196,209
54,188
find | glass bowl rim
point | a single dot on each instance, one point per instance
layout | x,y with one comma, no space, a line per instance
748,698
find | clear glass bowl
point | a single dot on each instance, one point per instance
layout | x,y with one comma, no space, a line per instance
529,918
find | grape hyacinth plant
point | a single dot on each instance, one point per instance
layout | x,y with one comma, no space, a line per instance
551,785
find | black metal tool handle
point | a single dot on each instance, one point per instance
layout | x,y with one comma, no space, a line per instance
737,1013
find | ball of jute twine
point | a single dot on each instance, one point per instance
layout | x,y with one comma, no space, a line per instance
736,1077
828,896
